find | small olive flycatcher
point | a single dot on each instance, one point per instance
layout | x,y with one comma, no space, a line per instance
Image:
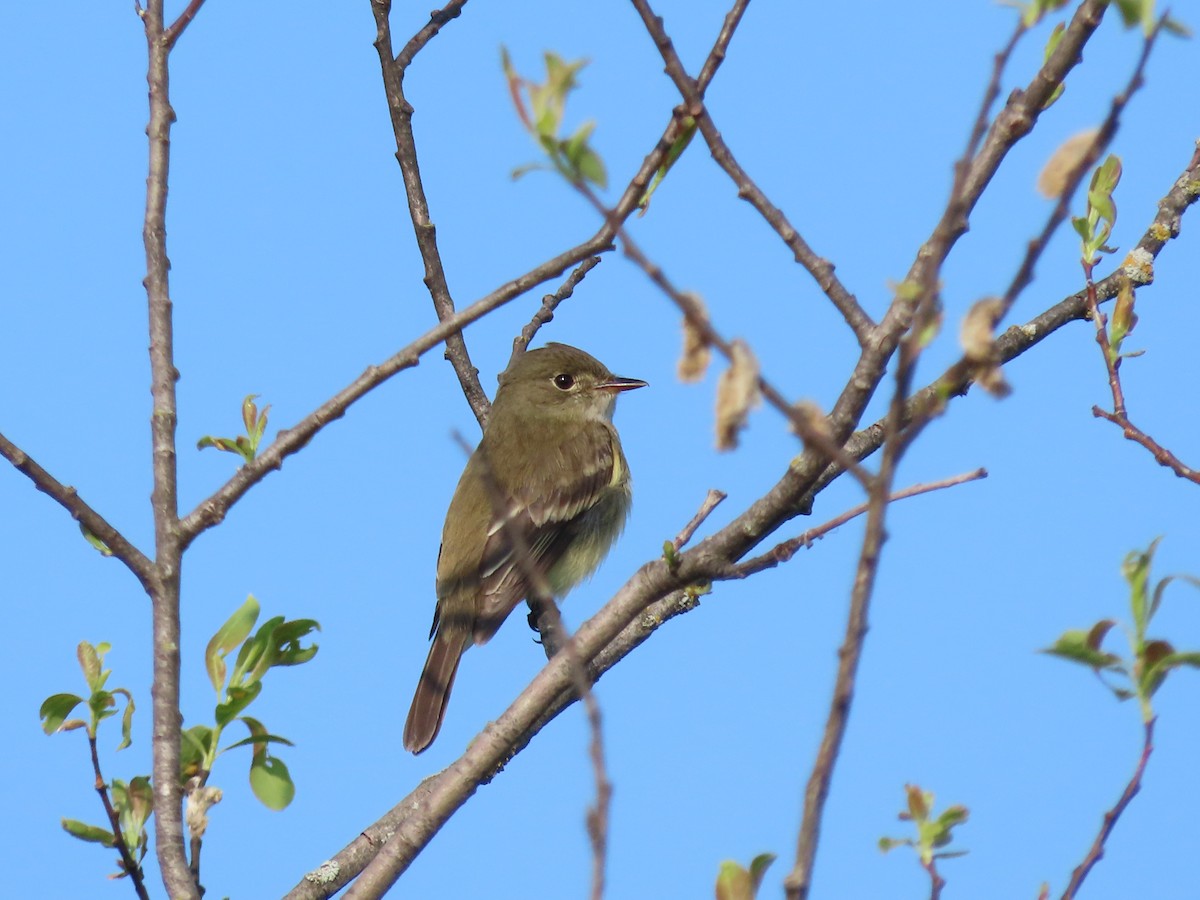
547,488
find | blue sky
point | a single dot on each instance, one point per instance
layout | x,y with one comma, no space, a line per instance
294,268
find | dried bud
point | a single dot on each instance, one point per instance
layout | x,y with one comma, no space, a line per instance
697,352
978,332
737,394
1063,161
978,338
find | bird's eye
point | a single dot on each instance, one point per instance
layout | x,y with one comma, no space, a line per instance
564,382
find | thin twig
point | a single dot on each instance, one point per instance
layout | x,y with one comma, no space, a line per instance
1096,852
785,550
179,25
393,68
711,501
167,720
990,93
132,867
936,881
550,303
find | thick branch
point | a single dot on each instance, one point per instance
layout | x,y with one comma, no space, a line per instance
164,499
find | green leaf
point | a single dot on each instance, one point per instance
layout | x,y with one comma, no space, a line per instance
288,649
734,882
55,709
686,133
238,697
93,833
1098,632
271,783
591,168
94,541
126,719
1051,44
1075,646
1173,26
260,739
195,751
1162,586
1136,570
258,655
918,803
134,802
758,868
102,704
91,660
249,413
228,636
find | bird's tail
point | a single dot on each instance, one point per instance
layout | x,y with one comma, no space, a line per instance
433,690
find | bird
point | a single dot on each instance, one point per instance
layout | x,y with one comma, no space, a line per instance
539,505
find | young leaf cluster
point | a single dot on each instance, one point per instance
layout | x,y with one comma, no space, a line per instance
933,832
541,107
132,802
1095,227
277,642
245,445
1143,672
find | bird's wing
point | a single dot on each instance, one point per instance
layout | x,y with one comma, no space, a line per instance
534,531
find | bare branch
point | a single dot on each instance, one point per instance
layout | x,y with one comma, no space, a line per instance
820,269
168,819
87,517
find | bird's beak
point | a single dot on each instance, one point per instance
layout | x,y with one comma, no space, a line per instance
617,384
